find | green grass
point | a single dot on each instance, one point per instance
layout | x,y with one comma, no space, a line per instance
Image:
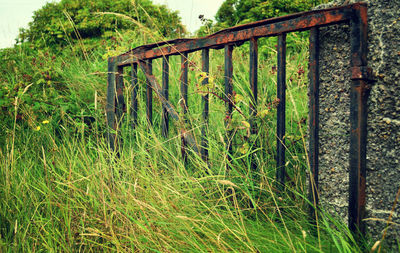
62,189
74,195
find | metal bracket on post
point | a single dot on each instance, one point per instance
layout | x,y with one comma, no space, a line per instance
362,73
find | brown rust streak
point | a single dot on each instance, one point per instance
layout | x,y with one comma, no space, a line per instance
314,123
356,73
362,8
361,89
362,199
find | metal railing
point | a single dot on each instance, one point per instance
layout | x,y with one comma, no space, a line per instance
355,15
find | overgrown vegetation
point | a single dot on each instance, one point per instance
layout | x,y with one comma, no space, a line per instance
62,189
236,12
57,23
47,71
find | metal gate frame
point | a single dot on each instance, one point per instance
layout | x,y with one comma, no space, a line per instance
355,15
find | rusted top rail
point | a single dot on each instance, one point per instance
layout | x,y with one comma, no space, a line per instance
264,28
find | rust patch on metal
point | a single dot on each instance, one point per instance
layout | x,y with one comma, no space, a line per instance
238,34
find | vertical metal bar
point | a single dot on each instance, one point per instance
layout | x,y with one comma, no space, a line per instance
358,121
134,102
254,94
281,110
120,106
228,97
165,87
253,83
206,69
184,82
149,94
314,118
184,89
110,107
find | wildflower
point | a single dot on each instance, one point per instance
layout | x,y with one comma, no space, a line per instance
304,234
45,122
37,128
244,149
300,71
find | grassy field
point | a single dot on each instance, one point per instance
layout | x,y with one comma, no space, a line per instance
61,189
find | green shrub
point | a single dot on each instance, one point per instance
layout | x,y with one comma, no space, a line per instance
233,12
58,23
54,72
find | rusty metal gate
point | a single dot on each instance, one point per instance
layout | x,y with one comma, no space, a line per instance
355,15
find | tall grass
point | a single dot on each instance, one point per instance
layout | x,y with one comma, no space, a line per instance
73,194
62,189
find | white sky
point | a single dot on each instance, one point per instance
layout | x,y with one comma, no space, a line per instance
17,13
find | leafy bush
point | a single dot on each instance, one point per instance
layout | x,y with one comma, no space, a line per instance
233,12
57,23
55,71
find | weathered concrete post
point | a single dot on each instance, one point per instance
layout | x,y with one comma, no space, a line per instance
383,149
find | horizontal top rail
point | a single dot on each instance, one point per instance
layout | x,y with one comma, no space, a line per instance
264,28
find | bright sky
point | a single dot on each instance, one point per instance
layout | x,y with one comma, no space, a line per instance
17,13
13,15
